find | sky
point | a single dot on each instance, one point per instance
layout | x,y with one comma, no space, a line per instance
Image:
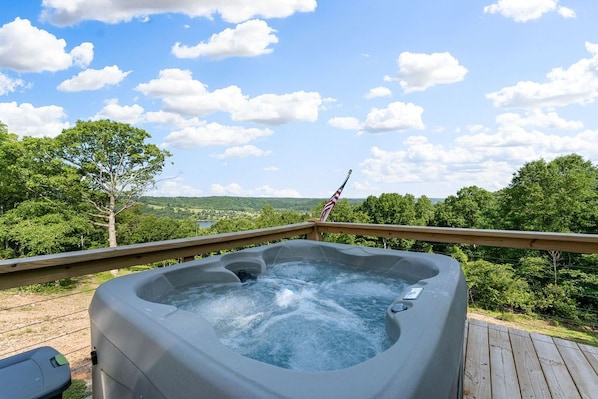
280,98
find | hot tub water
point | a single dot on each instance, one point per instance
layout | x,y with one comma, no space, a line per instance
300,315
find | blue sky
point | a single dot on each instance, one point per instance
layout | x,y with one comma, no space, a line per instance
282,97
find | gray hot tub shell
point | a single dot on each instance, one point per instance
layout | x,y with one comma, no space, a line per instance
151,350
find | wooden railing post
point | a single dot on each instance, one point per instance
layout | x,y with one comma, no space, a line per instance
315,233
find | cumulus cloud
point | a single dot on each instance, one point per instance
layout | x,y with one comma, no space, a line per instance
536,118
249,39
27,120
483,156
8,85
174,187
62,13
207,134
345,123
577,84
94,79
418,72
523,11
25,48
379,92
397,116
243,152
275,109
263,191
130,114
181,94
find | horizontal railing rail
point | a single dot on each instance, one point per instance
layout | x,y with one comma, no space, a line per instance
38,269
566,242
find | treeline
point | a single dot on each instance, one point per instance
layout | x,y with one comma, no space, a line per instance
221,207
48,205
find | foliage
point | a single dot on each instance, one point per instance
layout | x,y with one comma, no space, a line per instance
46,201
114,163
135,227
472,207
556,196
496,287
41,227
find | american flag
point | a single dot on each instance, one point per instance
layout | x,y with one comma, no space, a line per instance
332,201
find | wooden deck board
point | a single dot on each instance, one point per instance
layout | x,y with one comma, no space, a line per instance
504,380
508,363
477,372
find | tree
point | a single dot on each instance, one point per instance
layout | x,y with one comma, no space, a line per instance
114,163
556,196
472,207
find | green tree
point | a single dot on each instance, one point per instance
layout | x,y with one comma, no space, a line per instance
135,227
40,227
424,211
556,196
115,164
11,176
393,208
472,207
497,287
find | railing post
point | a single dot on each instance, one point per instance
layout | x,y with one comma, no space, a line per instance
315,233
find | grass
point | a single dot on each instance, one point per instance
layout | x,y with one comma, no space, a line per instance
77,390
542,326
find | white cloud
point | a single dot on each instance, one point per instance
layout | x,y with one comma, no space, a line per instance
174,187
536,118
418,72
248,39
566,12
208,134
243,152
82,55
345,123
8,85
275,109
28,120
486,157
263,191
231,189
271,169
576,84
379,92
60,12
181,94
94,79
25,48
397,116
130,114
527,10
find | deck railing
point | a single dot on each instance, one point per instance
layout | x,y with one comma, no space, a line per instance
68,331
39,269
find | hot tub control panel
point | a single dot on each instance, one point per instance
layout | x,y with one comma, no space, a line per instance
413,293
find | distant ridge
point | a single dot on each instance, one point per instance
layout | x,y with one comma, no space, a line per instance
247,204
227,203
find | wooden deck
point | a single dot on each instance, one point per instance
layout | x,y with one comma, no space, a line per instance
503,362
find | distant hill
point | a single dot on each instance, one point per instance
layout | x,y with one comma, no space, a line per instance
216,207
243,204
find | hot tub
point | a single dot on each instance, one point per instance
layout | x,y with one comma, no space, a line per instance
145,347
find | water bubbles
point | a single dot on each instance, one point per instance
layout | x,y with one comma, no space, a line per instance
311,316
